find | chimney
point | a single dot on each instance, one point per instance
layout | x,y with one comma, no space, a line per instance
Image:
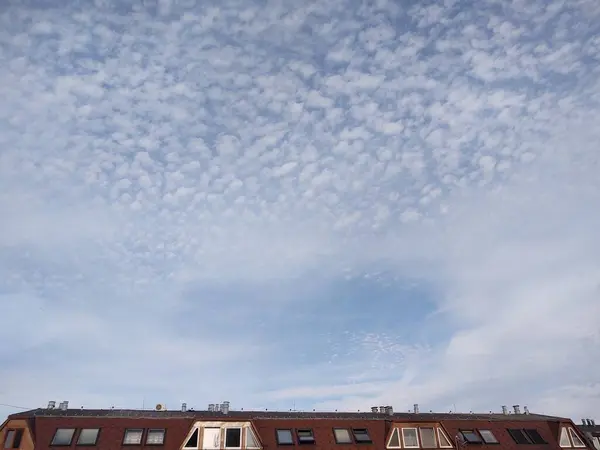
225,407
184,407
416,408
504,410
517,409
525,410
51,404
374,409
389,410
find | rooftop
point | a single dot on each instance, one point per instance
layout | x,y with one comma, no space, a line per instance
265,414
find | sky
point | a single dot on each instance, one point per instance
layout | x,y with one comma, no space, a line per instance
300,205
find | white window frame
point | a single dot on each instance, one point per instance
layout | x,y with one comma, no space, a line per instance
572,435
189,436
395,431
435,439
249,431
225,436
564,435
441,433
404,440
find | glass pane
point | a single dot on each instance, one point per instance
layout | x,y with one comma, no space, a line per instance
233,437
133,437
88,436
193,440
305,436
444,441
471,436
409,437
564,438
488,437
251,441
427,438
63,436
361,435
342,436
156,437
212,438
284,437
9,439
394,439
577,442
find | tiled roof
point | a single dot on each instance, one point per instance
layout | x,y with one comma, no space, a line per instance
247,415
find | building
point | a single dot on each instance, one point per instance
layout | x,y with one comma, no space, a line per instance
218,428
591,432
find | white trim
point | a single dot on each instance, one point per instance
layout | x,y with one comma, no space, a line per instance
221,424
441,433
572,435
435,440
396,432
404,440
249,431
225,436
189,436
564,436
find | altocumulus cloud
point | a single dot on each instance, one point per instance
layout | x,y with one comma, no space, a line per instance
336,203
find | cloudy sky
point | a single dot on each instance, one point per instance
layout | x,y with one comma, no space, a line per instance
311,204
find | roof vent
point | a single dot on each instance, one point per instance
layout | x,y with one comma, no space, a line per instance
211,407
183,407
416,408
64,405
51,404
389,410
374,409
382,409
592,422
517,409
504,410
225,407
525,410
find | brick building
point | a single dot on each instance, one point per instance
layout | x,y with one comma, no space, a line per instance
222,429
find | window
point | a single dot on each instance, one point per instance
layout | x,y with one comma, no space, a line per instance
342,436
88,436
251,441
63,436
211,438
155,437
534,436
394,441
305,436
443,439
233,437
284,437
13,438
427,437
471,436
192,442
133,436
518,436
596,441
564,438
488,437
577,442
410,438
361,435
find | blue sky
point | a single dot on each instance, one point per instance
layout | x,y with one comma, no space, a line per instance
325,205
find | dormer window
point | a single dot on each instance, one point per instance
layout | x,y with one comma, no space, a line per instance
305,436
13,438
285,437
361,436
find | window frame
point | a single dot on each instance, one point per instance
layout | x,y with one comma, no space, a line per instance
17,435
155,430
127,430
416,430
52,444
395,432
225,437
513,433
78,444
290,431
312,440
472,432
572,433
533,436
485,441
365,431
248,431
195,431
440,433
435,441
349,433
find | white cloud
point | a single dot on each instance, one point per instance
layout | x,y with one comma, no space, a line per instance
199,187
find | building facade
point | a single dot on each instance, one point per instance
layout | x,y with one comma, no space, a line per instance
48,428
